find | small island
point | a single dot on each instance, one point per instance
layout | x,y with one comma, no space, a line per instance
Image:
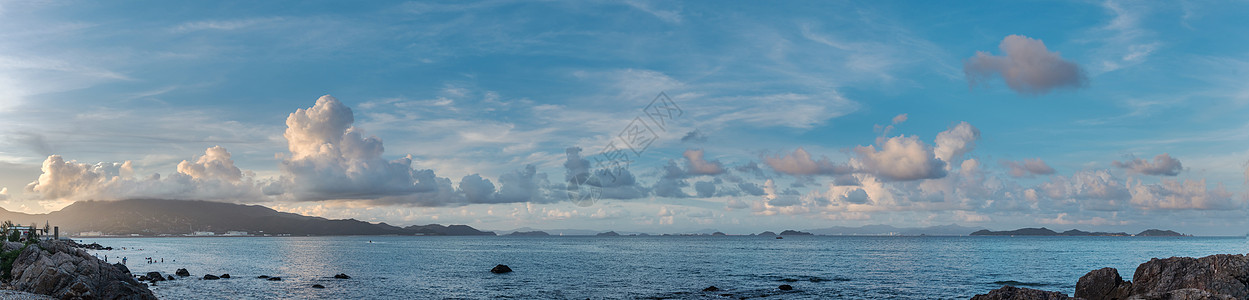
529,233
609,233
1074,232
794,232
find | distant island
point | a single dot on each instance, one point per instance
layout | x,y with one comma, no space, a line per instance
794,232
939,230
155,217
529,233
1074,232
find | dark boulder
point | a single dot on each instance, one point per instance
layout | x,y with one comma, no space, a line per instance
1102,284
262,276
318,286
275,278
182,272
711,289
211,277
122,267
155,276
169,277
225,275
500,269
786,287
58,269
1221,274
1014,293
344,276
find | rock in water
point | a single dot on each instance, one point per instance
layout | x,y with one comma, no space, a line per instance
262,276
275,279
344,276
1102,284
60,270
169,277
155,276
1014,293
182,272
318,286
786,287
711,289
211,277
1221,274
225,275
500,269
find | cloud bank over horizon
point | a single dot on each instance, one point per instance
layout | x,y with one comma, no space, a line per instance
699,116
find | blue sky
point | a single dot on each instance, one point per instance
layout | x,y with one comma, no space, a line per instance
1083,114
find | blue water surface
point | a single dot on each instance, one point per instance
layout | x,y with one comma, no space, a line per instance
646,267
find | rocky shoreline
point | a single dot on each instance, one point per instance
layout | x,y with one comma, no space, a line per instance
1222,276
63,270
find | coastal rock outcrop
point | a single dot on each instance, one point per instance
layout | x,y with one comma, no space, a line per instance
211,277
1103,283
60,270
182,272
155,276
342,276
499,269
1222,276
1015,293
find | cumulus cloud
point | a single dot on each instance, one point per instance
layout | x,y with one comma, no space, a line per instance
698,166
856,196
1090,189
1028,168
899,119
1163,165
331,159
614,183
902,158
212,176
956,141
800,163
1028,67
694,136
1177,195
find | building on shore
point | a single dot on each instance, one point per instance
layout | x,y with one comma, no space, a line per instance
204,233
235,233
90,233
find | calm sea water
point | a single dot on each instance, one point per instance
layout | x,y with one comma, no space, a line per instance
818,267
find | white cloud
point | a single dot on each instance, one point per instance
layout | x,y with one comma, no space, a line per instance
1090,189
212,177
800,163
901,158
1188,194
1163,165
956,141
1028,167
1028,67
331,159
4,194
698,166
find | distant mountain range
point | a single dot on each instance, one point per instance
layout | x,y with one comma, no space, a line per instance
155,217
949,230
1074,232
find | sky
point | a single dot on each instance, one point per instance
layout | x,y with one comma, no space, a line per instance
652,116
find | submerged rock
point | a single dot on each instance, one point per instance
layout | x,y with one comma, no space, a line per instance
711,289
500,269
169,277
262,276
786,287
60,270
225,275
155,276
1014,293
318,286
211,277
182,272
344,276
275,278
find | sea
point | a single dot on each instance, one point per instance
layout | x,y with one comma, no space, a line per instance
638,267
